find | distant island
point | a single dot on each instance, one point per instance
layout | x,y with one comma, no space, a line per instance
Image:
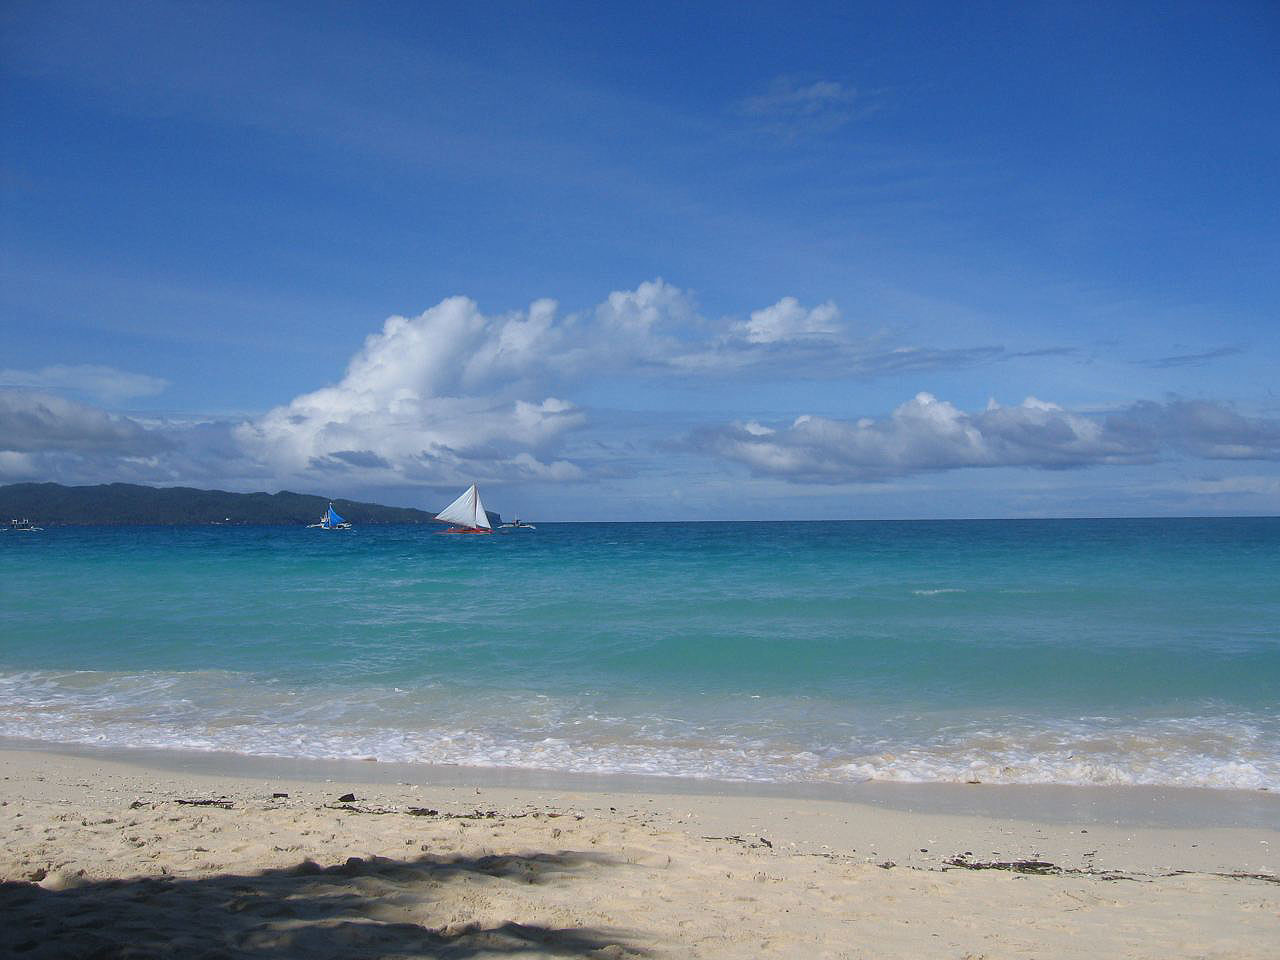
126,504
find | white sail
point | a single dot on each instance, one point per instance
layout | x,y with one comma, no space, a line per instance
466,511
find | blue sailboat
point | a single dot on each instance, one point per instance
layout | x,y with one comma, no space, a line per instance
329,520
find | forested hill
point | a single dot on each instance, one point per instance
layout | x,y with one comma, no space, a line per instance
127,503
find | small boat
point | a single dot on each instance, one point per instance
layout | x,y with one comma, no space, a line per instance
329,520
517,524
24,526
466,514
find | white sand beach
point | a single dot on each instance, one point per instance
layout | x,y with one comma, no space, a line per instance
106,857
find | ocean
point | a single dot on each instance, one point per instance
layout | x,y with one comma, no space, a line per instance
1055,651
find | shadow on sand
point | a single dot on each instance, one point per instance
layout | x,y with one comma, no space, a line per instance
363,908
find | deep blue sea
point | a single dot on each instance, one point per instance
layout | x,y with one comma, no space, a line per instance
1072,651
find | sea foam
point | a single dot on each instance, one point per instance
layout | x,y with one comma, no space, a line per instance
168,711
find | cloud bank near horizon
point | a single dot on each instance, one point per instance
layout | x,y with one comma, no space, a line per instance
926,435
454,394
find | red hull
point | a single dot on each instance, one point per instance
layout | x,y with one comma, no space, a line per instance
462,530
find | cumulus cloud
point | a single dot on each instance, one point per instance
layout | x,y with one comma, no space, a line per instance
431,398
643,326
927,434
106,384
788,320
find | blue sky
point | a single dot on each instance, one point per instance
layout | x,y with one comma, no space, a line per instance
651,262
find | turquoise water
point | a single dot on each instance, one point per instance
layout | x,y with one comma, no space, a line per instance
1075,651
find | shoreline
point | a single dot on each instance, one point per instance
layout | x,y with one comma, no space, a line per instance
1118,804
1241,836
108,851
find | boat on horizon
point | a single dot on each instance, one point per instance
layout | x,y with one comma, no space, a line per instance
329,520
517,524
466,514
23,526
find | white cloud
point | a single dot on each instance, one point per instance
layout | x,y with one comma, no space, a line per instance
646,310
788,320
641,329
927,434
431,398
106,384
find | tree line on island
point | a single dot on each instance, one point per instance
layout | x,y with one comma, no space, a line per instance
125,504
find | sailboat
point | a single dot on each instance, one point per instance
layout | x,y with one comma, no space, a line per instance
466,514
329,520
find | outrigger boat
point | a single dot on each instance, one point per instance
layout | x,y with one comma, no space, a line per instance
466,514
329,520
517,524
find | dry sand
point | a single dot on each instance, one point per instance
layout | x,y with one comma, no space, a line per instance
108,858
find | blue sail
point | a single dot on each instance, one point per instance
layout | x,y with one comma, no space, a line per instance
331,518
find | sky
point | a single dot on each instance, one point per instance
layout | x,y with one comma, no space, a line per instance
648,261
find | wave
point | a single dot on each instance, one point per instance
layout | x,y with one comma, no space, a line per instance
225,712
